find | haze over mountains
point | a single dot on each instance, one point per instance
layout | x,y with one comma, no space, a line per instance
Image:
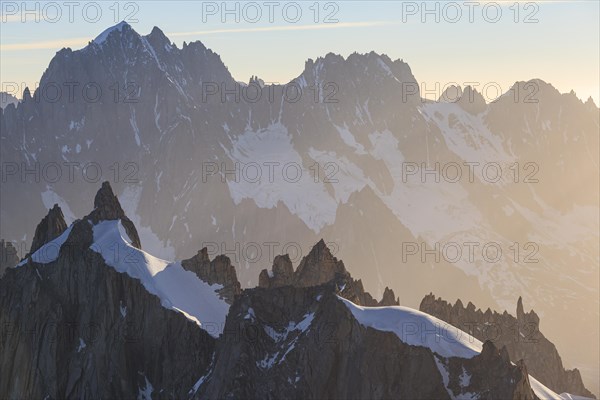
361,123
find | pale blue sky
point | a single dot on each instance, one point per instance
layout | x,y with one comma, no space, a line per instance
562,47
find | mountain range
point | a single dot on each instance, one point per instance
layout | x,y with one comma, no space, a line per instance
180,142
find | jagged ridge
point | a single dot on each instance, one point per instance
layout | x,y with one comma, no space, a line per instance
320,267
521,336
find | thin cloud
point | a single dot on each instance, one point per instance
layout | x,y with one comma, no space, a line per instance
49,44
282,28
79,42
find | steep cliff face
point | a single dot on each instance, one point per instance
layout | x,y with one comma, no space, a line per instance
320,267
303,342
520,335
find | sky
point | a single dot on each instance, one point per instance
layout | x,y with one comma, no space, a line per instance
492,44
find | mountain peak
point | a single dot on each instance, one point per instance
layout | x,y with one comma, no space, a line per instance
373,65
591,104
158,34
158,40
107,208
520,310
106,203
451,94
320,246
468,98
472,101
319,266
49,228
120,27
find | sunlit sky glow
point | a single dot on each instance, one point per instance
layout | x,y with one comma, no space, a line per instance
562,47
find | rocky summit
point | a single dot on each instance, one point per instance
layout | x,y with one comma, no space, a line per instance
90,315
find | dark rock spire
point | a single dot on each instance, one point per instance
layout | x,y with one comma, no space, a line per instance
49,228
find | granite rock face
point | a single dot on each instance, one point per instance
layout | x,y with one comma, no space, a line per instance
320,267
520,336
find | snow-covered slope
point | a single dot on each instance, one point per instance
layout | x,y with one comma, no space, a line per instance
49,252
420,329
177,288
417,329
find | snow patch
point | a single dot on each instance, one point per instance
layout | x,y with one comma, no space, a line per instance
250,315
136,130
290,182
465,379
123,310
301,326
145,393
350,140
467,135
344,176
81,346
